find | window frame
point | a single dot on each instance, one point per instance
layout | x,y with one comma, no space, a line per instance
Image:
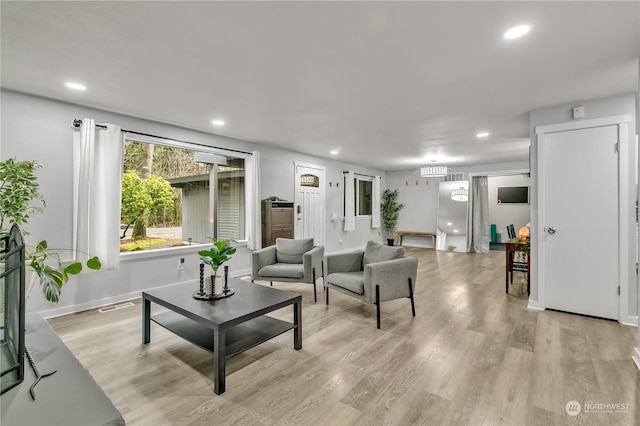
192,146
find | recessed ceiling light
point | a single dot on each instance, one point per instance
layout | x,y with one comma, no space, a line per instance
334,152
516,32
482,134
449,223
217,122
455,230
75,86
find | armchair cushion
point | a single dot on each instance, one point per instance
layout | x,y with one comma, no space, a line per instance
291,251
376,252
283,270
352,281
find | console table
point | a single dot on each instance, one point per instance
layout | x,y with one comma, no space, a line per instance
224,327
417,234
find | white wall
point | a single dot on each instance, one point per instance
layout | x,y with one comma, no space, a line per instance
420,197
40,129
595,108
506,214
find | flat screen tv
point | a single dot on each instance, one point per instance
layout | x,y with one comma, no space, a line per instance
513,195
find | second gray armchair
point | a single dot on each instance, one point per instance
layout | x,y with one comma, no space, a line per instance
374,275
289,260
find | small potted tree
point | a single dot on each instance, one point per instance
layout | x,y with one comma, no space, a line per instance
219,253
390,210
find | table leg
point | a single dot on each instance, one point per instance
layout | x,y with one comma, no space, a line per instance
297,324
219,360
146,320
506,290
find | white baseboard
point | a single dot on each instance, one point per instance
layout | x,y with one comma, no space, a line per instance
629,320
636,357
536,305
71,309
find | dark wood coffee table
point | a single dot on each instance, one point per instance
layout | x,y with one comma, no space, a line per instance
224,327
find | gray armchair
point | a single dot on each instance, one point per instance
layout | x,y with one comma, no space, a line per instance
289,260
374,275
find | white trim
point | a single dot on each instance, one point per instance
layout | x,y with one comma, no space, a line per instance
535,305
309,165
70,309
583,124
94,304
169,251
636,357
630,320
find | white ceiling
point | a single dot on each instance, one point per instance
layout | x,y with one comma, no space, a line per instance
391,85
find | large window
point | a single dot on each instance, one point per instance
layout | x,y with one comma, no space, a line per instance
179,195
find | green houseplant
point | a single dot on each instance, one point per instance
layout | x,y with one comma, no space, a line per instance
219,253
19,187
390,211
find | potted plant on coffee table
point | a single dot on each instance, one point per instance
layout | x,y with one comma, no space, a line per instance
219,253
390,211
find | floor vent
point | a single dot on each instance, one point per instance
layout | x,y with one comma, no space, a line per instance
115,307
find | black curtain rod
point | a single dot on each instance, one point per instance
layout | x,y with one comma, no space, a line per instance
77,123
362,174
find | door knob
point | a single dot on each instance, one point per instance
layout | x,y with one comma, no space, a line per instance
551,230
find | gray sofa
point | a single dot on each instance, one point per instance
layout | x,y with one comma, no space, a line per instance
289,260
374,275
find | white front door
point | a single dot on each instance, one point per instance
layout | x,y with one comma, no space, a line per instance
309,202
579,225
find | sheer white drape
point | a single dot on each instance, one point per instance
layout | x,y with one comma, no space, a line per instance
479,228
375,202
349,206
97,178
252,204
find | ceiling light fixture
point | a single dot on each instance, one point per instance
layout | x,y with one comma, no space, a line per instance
217,122
482,134
433,171
75,86
460,194
334,152
516,32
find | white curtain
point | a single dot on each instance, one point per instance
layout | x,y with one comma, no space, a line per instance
252,204
349,206
97,178
479,227
375,206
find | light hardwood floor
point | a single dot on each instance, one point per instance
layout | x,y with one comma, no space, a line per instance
472,356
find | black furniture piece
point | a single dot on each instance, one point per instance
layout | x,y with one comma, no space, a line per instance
71,397
511,247
224,327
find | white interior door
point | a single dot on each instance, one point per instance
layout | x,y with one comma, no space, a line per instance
309,202
579,171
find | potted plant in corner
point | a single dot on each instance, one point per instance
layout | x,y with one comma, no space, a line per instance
390,210
18,189
219,253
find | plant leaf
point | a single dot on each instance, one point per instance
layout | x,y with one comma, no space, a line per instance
74,268
94,263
